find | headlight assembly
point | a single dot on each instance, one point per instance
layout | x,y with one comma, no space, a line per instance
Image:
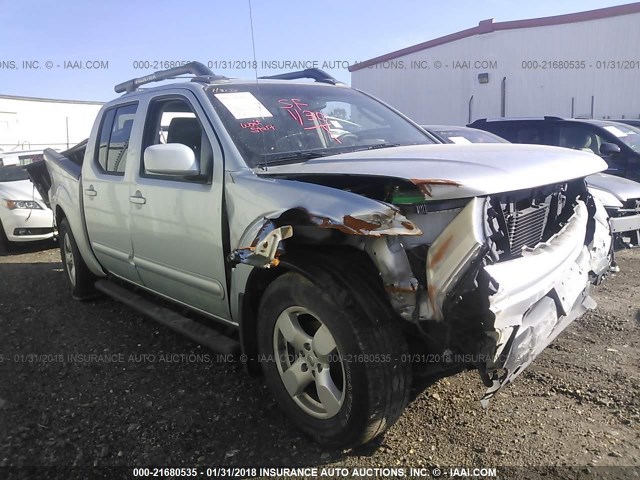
21,204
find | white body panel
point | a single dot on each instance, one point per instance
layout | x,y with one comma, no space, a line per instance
443,95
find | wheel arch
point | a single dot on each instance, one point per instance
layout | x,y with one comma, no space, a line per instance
82,239
350,267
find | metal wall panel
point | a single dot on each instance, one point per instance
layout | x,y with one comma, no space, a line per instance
441,95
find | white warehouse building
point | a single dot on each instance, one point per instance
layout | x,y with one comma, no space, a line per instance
28,123
584,64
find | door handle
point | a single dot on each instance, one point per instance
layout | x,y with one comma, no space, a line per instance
90,191
138,198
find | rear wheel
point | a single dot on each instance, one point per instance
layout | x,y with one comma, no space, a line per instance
79,275
339,374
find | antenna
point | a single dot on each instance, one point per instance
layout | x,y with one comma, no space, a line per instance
255,69
253,42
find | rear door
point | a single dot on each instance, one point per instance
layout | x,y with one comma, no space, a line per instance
177,222
528,132
516,131
105,192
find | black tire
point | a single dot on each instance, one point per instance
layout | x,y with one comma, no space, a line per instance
376,375
80,277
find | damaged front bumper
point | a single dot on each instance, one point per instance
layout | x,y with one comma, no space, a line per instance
522,303
538,296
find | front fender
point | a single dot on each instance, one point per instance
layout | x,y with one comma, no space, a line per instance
252,199
264,211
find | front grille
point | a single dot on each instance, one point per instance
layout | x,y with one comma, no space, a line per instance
525,227
32,231
631,206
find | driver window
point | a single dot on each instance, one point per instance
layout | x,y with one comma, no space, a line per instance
174,121
598,141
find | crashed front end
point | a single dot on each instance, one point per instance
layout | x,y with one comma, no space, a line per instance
483,278
504,276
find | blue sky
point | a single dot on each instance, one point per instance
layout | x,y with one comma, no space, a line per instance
122,32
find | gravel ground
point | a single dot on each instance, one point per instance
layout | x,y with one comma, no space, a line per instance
151,397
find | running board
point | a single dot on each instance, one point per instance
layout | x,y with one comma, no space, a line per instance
191,329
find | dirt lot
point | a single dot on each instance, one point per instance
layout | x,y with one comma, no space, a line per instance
152,397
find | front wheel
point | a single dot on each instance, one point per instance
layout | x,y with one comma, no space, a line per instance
339,374
79,275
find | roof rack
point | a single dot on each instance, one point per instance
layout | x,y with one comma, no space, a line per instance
509,119
193,68
313,73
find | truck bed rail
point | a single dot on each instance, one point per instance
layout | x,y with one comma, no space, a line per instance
65,163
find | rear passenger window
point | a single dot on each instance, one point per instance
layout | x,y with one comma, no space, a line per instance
579,138
115,133
530,135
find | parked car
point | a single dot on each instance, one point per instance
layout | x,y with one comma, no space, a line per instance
341,266
23,215
618,144
20,157
620,196
634,122
462,135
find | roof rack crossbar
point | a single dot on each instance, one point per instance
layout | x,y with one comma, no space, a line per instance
193,68
313,73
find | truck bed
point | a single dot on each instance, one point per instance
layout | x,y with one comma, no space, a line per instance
69,161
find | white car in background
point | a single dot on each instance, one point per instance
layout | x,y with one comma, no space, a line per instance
20,157
23,215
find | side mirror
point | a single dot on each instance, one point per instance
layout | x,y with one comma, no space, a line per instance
171,159
609,149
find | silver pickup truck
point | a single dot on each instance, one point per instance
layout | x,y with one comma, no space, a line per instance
327,238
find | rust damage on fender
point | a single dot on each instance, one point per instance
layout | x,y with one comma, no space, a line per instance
425,184
374,224
440,253
266,247
431,293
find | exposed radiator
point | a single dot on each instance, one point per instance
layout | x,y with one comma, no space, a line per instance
525,227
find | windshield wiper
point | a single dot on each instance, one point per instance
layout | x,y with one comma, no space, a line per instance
304,155
376,147
294,157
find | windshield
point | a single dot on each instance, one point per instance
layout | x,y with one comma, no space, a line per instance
275,123
468,135
12,173
626,134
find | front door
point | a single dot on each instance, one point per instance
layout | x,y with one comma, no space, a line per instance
177,221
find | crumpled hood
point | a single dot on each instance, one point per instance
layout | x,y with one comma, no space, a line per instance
456,171
19,190
622,188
